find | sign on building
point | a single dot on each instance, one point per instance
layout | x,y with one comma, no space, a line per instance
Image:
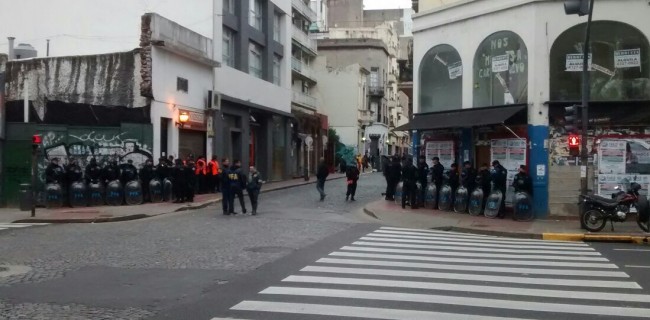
627,58
574,62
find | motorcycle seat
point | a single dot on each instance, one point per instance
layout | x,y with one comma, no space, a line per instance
606,202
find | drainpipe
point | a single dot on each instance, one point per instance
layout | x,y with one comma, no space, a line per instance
11,47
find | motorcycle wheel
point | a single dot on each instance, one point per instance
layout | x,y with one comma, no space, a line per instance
643,215
594,220
644,225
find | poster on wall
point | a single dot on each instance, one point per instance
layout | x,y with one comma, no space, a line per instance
441,149
607,183
611,156
500,63
574,62
627,58
455,70
511,153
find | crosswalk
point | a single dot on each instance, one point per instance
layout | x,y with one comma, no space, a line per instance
410,274
8,226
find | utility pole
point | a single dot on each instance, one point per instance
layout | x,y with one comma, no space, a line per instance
581,8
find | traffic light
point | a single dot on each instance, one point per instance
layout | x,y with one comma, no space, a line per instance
37,140
579,7
571,119
574,144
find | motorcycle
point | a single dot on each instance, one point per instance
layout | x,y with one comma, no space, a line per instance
598,210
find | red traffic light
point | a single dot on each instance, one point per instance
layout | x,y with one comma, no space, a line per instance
574,141
37,139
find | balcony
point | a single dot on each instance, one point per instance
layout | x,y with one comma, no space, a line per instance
304,100
376,90
302,69
366,117
304,40
304,10
392,78
392,104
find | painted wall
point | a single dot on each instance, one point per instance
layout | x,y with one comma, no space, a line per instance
108,79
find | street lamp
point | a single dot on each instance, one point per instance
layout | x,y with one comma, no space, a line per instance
183,118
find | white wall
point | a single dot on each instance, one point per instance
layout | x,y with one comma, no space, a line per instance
465,25
241,85
166,67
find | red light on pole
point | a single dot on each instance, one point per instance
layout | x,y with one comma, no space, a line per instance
574,141
37,139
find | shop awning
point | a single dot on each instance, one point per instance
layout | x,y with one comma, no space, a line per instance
466,118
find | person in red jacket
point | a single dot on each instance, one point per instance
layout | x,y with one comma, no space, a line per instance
201,171
213,173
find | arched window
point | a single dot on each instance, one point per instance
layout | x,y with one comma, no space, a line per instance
620,63
441,79
501,70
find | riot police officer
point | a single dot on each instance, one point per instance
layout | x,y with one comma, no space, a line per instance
191,179
162,169
423,173
180,181
111,172
522,181
500,177
146,175
73,172
54,173
409,178
468,176
93,171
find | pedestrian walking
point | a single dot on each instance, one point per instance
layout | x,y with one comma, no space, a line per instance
352,175
423,175
225,186
321,176
409,180
253,187
500,177
237,183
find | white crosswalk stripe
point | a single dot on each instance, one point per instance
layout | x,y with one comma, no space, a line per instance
398,273
7,226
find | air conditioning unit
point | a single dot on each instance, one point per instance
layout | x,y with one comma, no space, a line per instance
214,100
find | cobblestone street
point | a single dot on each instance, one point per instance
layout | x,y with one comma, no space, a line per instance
131,270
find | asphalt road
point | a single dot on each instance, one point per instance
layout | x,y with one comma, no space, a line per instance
302,259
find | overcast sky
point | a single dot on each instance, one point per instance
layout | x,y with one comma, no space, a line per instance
77,27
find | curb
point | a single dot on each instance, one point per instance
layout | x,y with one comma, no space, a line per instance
574,237
143,215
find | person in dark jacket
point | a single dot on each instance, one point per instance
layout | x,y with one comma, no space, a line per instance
162,169
454,178
237,183
225,186
409,179
522,181
190,180
253,187
352,175
468,176
128,172
437,175
484,179
321,176
499,178
393,176
179,180
54,173
73,172
111,172
423,176
93,171
146,175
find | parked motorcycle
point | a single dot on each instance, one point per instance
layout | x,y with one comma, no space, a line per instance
598,210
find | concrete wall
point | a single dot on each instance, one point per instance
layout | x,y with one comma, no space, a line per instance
426,5
108,79
345,13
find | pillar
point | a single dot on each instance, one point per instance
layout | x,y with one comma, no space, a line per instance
538,134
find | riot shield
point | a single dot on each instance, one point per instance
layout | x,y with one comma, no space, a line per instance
523,207
476,202
53,195
96,194
155,190
78,194
430,200
114,194
461,199
444,199
399,192
418,195
133,192
493,204
168,192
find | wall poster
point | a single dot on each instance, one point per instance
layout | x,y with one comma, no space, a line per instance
441,149
511,153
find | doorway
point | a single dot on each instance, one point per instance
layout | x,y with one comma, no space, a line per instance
483,155
191,143
235,144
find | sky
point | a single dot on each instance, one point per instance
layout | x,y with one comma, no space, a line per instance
78,27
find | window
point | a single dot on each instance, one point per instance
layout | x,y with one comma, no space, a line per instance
255,14
276,26
181,84
228,54
229,6
441,79
255,60
276,70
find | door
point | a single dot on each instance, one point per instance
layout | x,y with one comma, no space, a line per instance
482,156
191,143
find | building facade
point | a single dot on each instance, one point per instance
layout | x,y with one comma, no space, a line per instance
253,84
499,91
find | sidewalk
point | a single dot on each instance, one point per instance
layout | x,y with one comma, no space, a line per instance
391,214
124,213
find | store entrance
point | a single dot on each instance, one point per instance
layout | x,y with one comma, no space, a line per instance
482,156
191,143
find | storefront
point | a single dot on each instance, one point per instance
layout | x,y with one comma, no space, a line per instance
192,134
